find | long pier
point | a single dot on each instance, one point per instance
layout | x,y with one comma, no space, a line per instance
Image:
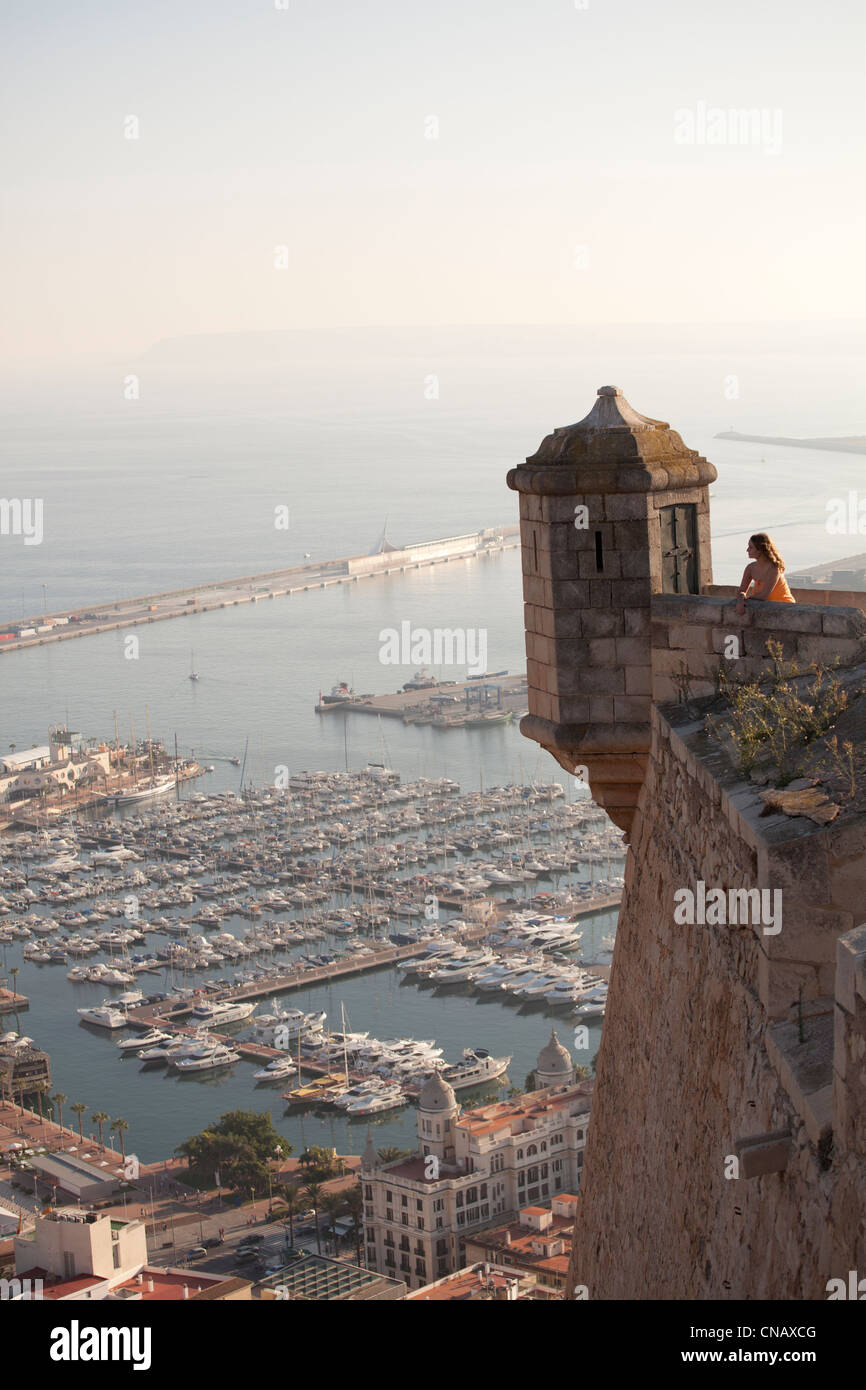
88,619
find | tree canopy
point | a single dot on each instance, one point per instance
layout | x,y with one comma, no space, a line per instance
237,1148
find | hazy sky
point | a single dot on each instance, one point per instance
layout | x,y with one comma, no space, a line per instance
572,179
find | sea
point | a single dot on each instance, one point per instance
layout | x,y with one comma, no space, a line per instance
167,467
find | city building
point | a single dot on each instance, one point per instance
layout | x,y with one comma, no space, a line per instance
67,760
318,1279
24,1068
478,1283
81,1254
85,1255
474,1170
537,1243
69,1176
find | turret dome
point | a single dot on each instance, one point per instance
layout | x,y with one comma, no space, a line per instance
436,1095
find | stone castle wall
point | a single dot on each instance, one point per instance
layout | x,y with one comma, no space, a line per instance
691,634
701,1050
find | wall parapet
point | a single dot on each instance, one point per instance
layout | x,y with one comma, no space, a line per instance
695,636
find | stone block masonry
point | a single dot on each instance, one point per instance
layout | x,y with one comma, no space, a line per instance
681,1086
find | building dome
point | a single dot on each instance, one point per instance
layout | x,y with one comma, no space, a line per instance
437,1095
554,1063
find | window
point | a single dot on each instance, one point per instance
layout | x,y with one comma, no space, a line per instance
389,1213
404,1242
419,1205
419,1247
115,1255
404,1263
404,1218
404,1200
442,1247
368,1192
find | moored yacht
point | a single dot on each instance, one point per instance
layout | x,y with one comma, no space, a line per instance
218,1012
103,1016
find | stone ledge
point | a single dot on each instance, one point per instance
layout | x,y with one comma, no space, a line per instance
760,1154
806,1068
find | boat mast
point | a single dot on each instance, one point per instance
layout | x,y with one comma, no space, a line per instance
132,751
149,742
116,752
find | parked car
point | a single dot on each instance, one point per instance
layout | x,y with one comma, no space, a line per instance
243,1256
213,1241
197,1252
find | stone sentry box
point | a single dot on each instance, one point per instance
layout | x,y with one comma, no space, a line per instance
588,578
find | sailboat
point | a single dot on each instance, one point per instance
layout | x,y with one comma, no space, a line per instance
193,673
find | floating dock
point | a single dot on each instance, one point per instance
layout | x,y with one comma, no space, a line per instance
473,703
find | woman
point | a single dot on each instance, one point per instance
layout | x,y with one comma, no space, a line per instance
765,575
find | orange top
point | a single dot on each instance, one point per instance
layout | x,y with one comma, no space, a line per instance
780,592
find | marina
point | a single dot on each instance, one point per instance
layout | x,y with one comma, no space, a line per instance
342,881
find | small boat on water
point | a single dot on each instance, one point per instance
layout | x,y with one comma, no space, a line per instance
388,1099
104,1016
219,1012
207,1059
158,786
142,1040
477,1066
280,1069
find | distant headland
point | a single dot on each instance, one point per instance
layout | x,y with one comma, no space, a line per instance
845,444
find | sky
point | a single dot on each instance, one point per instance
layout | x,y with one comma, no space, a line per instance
317,163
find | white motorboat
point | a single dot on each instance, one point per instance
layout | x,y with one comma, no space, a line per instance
142,1040
104,1016
218,1012
477,1066
277,1070
591,1009
388,1099
163,1052
207,1060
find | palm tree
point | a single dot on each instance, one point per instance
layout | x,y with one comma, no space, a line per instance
332,1203
100,1118
391,1153
59,1100
121,1126
13,971
293,1206
312,1191
355,1207
78,1109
